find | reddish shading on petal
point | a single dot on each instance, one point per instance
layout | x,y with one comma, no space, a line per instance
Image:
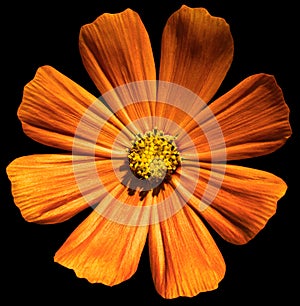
253,116
53,106
116,50
197,51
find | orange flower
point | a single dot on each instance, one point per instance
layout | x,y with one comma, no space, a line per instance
150,157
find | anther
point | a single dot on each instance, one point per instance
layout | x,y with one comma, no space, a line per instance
153,155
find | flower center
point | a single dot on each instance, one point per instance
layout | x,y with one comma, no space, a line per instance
153,155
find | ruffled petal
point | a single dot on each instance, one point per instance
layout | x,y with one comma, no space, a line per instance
197,51
53,106
184,257
47,190
116,50
253,117
103,251
239,201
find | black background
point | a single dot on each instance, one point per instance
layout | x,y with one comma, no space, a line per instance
33,34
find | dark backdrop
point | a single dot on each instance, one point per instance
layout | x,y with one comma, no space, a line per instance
38,33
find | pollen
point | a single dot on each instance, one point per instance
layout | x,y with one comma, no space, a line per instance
153,155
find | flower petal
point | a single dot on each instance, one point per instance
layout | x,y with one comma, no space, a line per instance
197,51
253,116
53,106
184,257
244,203
116,50
103,251
43,202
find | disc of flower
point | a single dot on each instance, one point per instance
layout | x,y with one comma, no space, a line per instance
154,161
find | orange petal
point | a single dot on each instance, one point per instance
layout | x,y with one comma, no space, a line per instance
253,116
45,188
184,257
116,50
103,251
53,106
245,202
197,51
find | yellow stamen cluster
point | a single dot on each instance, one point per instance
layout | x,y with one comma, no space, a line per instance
153,155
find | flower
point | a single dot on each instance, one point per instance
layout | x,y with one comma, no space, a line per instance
151,157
